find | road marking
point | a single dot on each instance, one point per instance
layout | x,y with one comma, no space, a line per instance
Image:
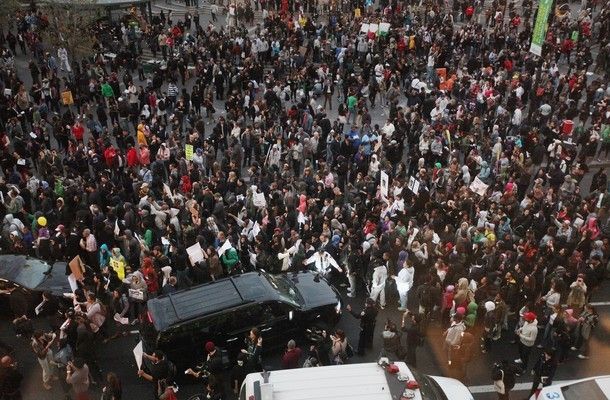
518,386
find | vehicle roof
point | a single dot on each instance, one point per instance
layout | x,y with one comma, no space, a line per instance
366,381
10,264
209,298
596,387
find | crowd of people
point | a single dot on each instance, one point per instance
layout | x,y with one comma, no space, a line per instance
415,152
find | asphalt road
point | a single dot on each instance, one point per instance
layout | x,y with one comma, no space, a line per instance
117,356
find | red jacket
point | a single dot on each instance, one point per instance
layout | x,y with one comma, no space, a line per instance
132,157
109,156
78,131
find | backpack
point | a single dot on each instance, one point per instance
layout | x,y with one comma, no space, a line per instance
425,296
505,372
161,105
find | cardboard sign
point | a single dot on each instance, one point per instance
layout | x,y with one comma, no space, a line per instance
188,151
66,98
77,268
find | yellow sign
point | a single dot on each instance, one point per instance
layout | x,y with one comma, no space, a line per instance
188,150
66,98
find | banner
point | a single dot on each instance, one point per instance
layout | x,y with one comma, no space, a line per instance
540,27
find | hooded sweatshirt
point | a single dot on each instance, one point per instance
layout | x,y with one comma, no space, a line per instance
528,333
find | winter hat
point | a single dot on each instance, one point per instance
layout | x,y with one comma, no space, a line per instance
490,305
210,347
402,257
529,316
461,310
450,289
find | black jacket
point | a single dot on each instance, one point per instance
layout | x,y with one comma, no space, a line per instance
545,368
367,317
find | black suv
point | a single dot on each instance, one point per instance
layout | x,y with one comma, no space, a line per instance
224,311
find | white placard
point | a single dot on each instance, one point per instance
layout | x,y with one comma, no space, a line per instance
478,186
225,246
138,354
121,320
195,253
385,184
256,228
364,28
373,28
259,200
416,187
72,282
384,27
38,308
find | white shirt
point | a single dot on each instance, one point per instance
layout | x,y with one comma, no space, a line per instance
323,262
404,280
380,275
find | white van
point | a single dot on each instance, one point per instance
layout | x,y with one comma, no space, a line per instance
368,381
594,388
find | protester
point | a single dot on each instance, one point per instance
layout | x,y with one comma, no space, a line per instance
10,379
368,318
544,370
456,155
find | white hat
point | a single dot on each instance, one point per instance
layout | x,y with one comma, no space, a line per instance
490,305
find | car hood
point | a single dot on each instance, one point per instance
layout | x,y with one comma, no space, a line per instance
56,281
315,290
453,388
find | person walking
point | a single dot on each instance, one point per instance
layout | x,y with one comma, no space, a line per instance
527,338
380,275
78,376
453,336
41,345
411,325
586,323
503,375
367,317
544,370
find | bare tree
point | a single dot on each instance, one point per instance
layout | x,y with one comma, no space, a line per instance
70,25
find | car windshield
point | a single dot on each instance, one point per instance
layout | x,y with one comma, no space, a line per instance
286,289
31,273
430,390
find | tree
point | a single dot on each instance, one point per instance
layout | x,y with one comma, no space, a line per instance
70,24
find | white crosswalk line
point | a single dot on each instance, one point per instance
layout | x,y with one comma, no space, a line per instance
518,387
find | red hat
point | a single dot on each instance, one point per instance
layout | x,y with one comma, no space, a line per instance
529,316
210,347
